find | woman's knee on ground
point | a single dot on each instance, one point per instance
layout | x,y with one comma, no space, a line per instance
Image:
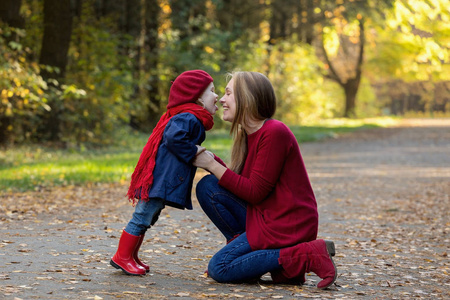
217,270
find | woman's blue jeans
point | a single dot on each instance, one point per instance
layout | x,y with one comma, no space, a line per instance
236,262
225,210
145,215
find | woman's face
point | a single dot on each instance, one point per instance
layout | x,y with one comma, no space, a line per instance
228,102
209,99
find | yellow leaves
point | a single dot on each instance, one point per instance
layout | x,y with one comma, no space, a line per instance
17,82
4,95
132,293
165,7
209,49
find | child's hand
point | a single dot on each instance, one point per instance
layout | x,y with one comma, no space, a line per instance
200,149
206,160
209,153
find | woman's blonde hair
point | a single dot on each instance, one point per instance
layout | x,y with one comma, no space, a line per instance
255,100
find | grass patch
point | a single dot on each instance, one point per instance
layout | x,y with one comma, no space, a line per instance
33,167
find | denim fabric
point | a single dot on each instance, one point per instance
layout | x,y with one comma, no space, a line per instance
236,262
145,214
225,210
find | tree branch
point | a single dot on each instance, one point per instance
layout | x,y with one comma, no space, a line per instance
333,75
362,41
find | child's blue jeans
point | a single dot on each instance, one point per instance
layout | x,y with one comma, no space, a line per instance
145,215
236,262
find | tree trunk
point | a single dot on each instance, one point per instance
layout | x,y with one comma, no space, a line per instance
351,89
55,45
350,85
152,11
308,35
9,13
56,39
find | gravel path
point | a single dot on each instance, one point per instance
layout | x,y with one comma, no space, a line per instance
383,197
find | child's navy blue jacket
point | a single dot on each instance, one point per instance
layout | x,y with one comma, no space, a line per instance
174,173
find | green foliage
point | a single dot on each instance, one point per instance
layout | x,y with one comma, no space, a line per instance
415,43
106,83
23,91
296,74
368,103
101,82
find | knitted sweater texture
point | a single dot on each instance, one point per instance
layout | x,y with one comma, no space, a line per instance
281,206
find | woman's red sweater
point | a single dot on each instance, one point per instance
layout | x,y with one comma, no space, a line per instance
281,209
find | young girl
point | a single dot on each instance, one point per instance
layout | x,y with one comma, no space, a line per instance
164,173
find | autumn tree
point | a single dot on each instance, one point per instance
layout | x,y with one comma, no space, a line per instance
350,59
56,39
9,15
55,45
149,46
343,28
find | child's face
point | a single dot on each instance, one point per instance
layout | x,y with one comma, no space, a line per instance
209,99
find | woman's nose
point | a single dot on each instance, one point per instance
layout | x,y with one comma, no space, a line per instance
222,100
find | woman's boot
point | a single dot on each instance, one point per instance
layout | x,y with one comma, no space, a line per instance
278,277
135,255
314,256
123,259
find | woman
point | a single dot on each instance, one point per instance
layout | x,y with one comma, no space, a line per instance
263,204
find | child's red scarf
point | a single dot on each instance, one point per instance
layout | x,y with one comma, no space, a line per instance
142,178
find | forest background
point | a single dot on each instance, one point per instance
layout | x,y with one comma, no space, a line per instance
74,71
81,75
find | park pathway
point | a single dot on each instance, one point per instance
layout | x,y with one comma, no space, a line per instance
383,197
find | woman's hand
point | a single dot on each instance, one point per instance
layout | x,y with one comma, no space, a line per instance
203,159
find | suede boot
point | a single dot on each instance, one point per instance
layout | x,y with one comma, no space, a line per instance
135,255
123,259
314,256
278,277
